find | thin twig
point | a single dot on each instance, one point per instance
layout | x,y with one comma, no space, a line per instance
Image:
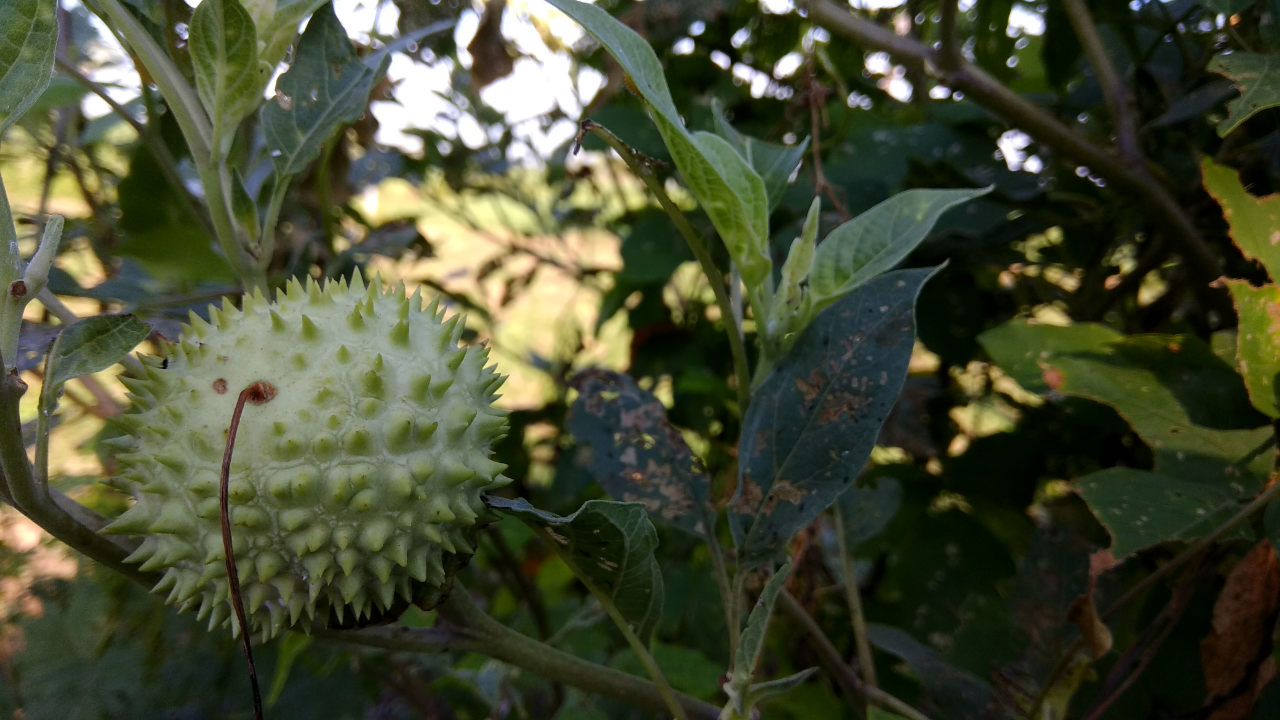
257,393
816,97
949,55
642,168
865,660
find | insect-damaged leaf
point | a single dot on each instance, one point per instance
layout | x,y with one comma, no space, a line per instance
609,546
1254,221
816,417
1141,509
635,453
326,86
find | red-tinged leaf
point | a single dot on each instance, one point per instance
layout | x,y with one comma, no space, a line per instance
1243,619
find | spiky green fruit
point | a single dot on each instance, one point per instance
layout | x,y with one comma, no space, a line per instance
352,491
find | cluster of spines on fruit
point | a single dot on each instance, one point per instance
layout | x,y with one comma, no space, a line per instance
352,501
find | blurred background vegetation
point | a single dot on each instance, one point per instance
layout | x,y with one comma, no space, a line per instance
459,177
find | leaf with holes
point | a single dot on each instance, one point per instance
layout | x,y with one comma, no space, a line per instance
326,87
30,35
816,417
727,187
1141,508
609,546
635,453
224,55
877,240
1257,76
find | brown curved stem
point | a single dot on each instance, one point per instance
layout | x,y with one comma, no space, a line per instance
1155,201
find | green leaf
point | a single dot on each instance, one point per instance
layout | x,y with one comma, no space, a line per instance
751,643
609,546
814,420
224,55
1141,508
730,191
875,713
773,163
1019,347
30,36
962,695
291,647
1258,341
244,208
326,87
277,29
877,240
1254,221
92,345
635,453
1232,459
781,686
1257,76
689,670
866,511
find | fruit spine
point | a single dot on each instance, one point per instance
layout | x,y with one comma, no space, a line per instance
351,492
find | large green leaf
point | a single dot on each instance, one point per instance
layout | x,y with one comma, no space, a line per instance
1254,221
1257,76
326,87
277,24
609,546
635,453
30,36
814,420
1185,402
1020,347
877,240
224,55
1231,459
1258,341
773,163
1141,508
730,191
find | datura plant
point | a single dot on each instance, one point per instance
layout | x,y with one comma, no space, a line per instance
356,483
319,458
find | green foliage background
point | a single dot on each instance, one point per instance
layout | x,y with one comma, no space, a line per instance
1076,386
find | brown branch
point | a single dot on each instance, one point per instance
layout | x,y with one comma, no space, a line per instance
1119,104
1161,208
257,393
949,55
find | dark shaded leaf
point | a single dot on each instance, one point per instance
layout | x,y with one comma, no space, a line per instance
816,417
866,511
326,87
609,546
93,344
957,693
1257,76
635,453
1020,348
1141,508
751,643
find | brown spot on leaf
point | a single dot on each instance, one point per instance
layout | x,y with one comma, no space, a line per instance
813,386
1052,377
220,386
840,403
782,491
749,497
